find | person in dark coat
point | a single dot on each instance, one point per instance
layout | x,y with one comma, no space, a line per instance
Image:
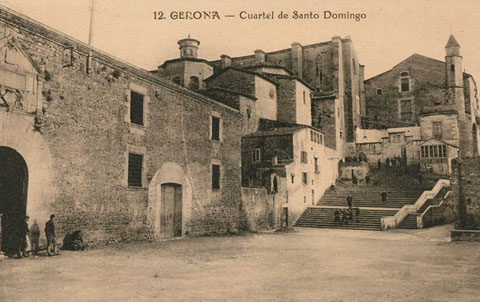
336,215
354,180
357,214
367,179
344,216
52,245
73,241
420,179
387,162
349,201
379,163
22,242
384,197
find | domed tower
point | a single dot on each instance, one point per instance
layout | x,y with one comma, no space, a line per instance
188,47
188,70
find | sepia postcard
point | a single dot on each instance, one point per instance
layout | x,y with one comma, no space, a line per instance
205,150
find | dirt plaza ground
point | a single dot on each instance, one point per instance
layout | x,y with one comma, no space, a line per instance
306,265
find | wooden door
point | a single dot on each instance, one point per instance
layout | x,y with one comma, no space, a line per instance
177,219
171,208
168,200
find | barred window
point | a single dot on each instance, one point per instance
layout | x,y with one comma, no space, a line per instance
304,178
135,163
215,177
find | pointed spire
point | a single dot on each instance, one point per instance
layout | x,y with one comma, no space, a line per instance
452,42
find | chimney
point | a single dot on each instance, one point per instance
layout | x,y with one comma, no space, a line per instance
259,56
226,61
297,59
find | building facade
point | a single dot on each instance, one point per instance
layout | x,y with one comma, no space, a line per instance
437,97
110,149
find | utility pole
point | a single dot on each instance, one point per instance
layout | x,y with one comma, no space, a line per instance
90,31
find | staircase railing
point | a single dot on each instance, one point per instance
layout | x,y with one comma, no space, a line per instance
391,222
431,209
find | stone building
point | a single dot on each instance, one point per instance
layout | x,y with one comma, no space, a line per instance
333,72
110,149
292,162
279,140
438,97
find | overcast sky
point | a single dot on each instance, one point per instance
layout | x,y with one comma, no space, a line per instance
392,30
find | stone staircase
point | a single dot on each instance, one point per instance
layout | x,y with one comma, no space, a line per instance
410,222
323,217
401,188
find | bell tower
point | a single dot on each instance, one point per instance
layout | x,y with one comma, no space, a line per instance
454,73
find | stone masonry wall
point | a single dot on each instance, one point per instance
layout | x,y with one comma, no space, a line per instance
323,118
468,213
287,103
88,136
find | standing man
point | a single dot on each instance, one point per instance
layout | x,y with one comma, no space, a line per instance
22,240
50,234
349,201
384,197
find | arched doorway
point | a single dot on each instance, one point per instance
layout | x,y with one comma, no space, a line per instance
170,200
171,211
474,140
13,196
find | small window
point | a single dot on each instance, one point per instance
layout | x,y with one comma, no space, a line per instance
304,97
404,74
379,91
135,163
452,68
293,178
257,155
316,164
304,178
405,110
136,108
215,177
311,136
176,80
215,128
437,130
249,113
405,84
304,156
194,83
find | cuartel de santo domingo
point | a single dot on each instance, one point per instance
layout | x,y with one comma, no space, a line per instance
261,15
257,142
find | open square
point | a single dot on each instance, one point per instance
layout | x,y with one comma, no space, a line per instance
307,265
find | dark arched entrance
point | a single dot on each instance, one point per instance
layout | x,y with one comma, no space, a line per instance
13,196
